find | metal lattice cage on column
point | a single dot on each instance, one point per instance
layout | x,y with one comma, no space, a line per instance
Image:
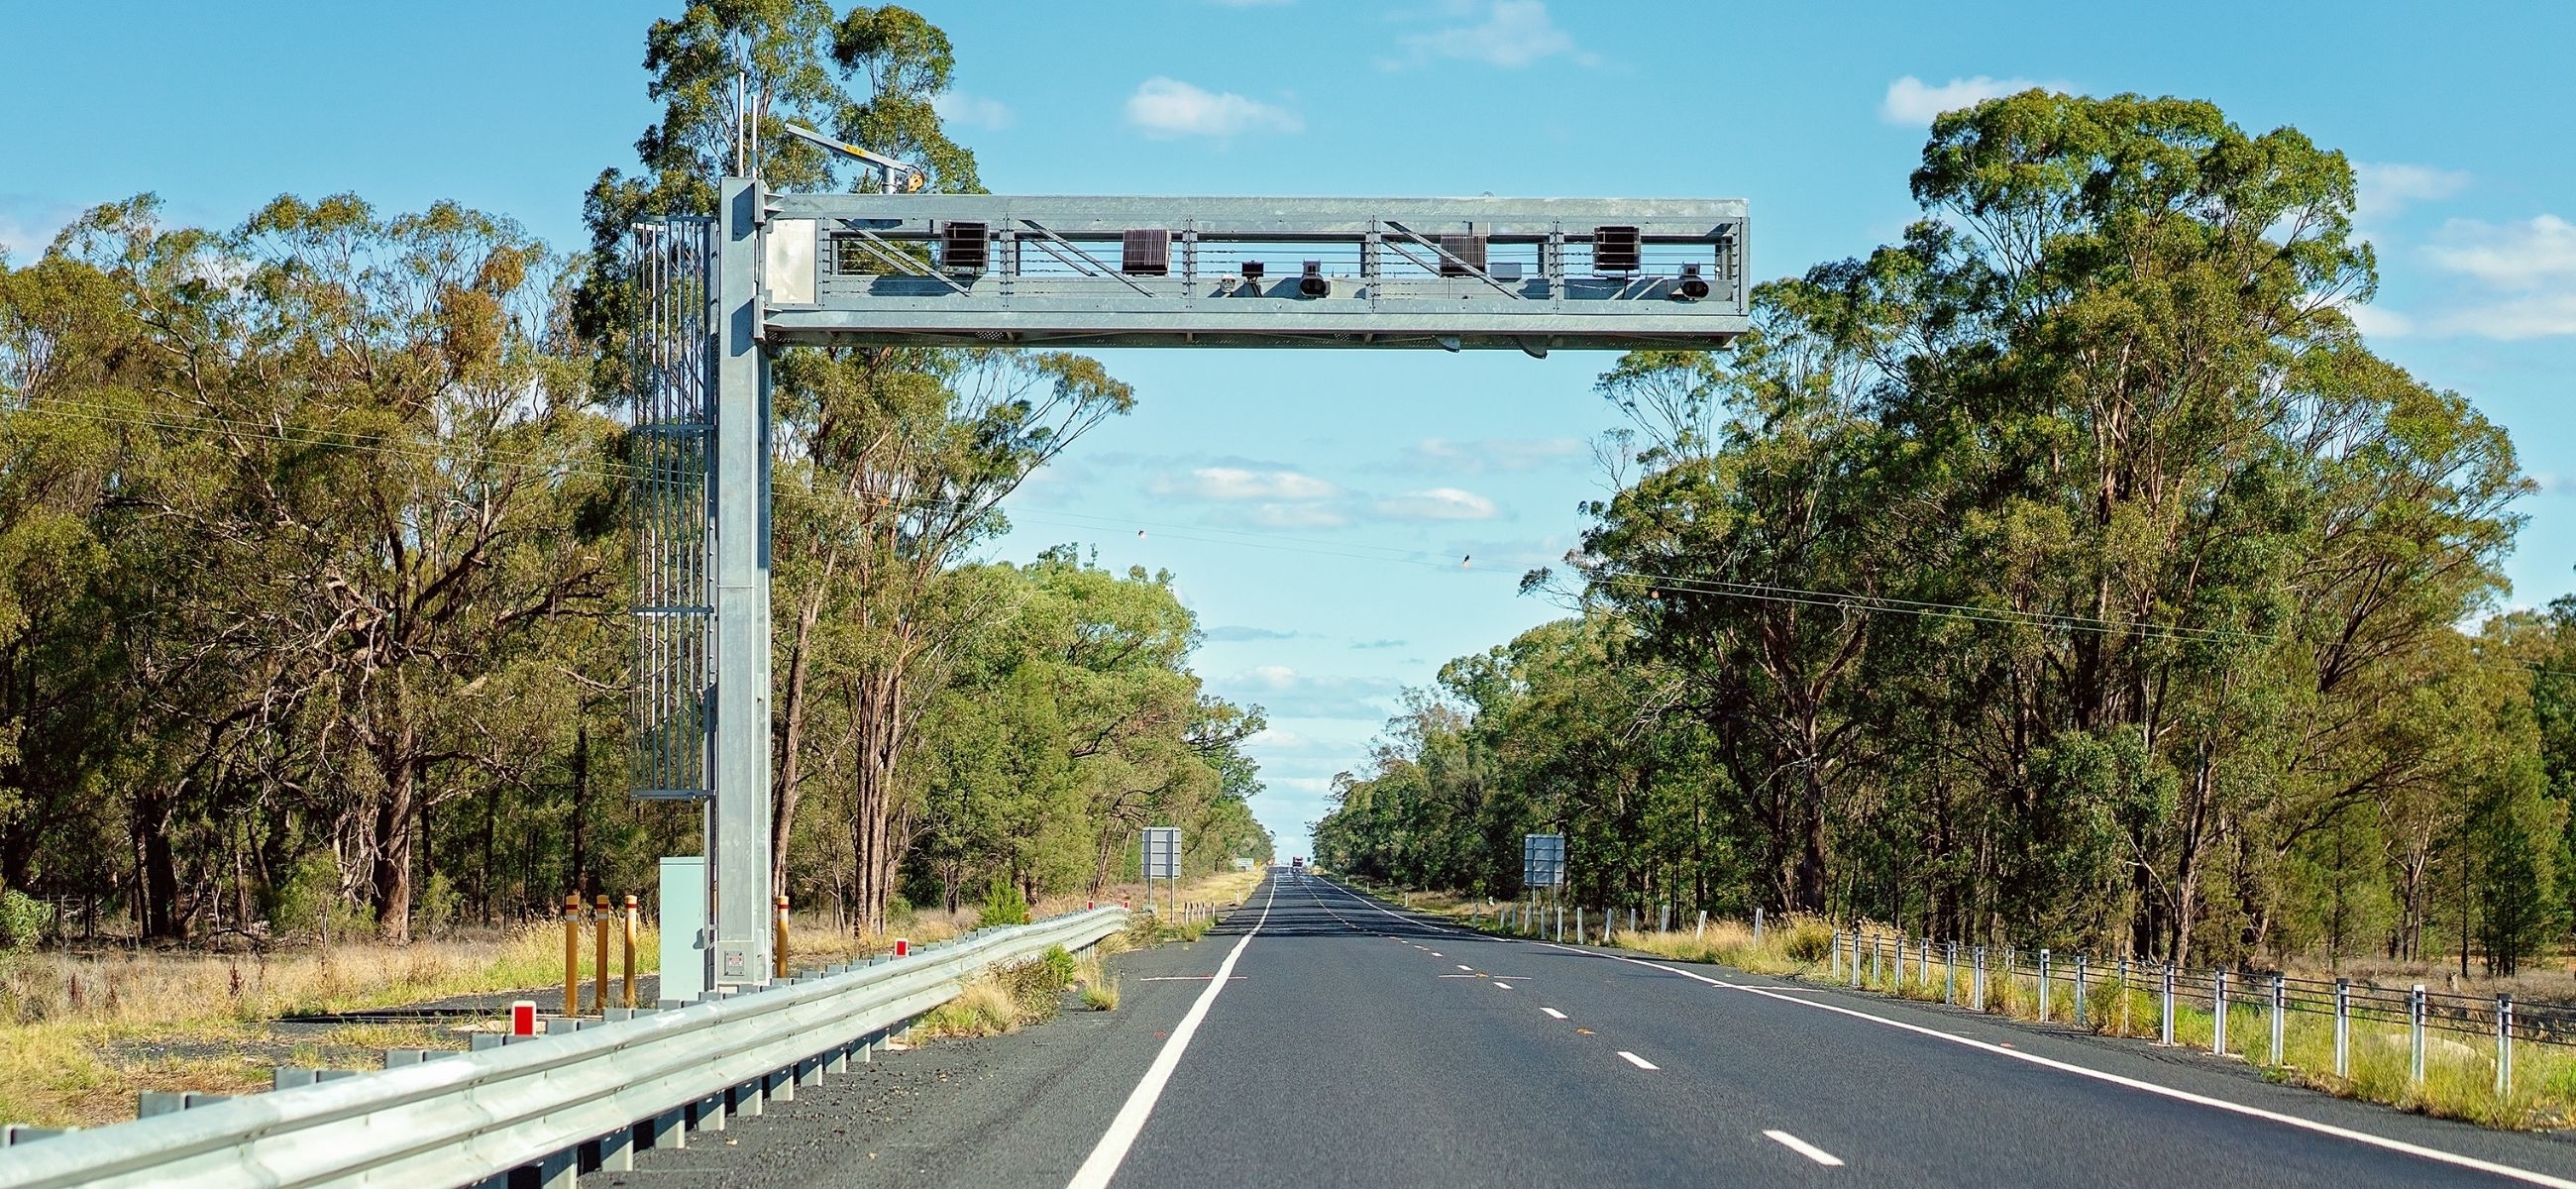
674,612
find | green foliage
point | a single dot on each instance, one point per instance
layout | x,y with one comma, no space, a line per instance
1061,966
1003,905
24,921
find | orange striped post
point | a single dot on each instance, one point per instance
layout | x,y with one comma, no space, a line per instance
572,954
778,959
599,965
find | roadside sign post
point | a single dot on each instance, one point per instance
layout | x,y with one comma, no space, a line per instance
1163,862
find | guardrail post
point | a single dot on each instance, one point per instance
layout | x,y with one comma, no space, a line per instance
2504,1044
572,954
1834,956
1757,923
599,954
778,947
1700,933
631,921
2165,1034
1977,981
2043,984
1560,923
1877,959
2280,1014
1578,924
1950,959
2415,1033
2079,988
1900,963
1855,958
2343,1027
2218,1013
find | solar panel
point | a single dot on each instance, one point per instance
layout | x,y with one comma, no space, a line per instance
1617,248
1146,252
1462,255
965,247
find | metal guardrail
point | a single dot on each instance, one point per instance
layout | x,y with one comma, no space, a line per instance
536,1106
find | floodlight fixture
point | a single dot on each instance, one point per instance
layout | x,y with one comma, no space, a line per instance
1693,286
1313,283
1252,270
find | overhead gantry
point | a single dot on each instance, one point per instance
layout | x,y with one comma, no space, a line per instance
897,268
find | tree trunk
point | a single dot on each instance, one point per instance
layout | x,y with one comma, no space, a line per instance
393,839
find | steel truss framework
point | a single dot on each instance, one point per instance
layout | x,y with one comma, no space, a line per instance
776,270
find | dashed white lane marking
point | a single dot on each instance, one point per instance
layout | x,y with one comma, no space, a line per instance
1502,986
1803,1148
1438,954
1636,1060
1464,966
1111,1151
2384,1143
1552,1013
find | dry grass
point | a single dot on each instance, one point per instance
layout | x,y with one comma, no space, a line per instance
81,1033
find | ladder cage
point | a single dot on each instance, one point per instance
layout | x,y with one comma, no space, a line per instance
674,259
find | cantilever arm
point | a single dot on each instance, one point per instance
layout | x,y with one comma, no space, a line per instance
901,177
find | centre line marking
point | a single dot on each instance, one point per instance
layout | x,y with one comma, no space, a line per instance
1105,1158
1502,986
1803,1148
1553,1013
1636,1060
1463,966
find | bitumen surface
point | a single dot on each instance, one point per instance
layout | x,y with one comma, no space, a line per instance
1357,1044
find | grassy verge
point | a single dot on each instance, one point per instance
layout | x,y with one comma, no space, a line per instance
80,1034
2459,1070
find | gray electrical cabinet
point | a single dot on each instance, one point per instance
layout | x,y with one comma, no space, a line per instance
684,928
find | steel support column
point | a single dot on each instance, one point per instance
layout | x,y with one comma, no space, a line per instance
738,823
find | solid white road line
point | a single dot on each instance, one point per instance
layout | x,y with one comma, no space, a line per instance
1803,1148
1636,1060
1106,1156
1553,1013
2381,1142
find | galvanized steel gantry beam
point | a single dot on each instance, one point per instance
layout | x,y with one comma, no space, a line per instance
893,269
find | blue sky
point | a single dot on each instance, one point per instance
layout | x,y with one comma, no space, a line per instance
1315,507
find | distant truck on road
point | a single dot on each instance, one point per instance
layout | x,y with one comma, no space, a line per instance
1297,864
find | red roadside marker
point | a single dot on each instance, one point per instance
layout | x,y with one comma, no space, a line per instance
523,1018
902,948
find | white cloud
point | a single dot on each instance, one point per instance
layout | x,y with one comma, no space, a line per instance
973,111
1911,101
2378,323
1286,693
2529,266
1478,456
1244,632
1243,483
2509,255
1514,33
1166,107
2387,188
1438,503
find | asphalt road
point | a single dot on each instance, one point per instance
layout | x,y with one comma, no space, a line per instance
1354,1044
